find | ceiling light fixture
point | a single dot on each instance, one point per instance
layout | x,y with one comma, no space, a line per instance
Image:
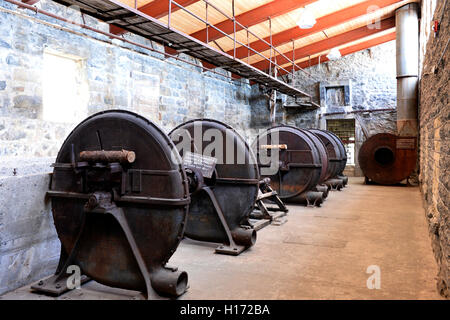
307,20
334,54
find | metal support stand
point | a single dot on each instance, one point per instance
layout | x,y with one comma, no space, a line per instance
268,215
231,248
56,285
118,214
273,107
98,203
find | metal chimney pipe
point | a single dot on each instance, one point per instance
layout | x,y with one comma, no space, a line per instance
407,30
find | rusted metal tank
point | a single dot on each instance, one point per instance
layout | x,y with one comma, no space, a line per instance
388,159
222,202
337,158
341,145
321,186
297,170
120,201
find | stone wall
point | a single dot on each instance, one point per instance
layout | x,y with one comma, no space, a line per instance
434,115
117,75
426,28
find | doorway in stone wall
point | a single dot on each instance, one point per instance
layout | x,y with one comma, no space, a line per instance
345,130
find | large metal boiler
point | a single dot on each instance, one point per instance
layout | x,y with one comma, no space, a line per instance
298,162
226,187
387,158
120,201
337,157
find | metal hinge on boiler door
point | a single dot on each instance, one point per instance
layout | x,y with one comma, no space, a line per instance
136,181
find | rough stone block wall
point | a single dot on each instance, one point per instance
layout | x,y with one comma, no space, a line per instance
117,75
434,116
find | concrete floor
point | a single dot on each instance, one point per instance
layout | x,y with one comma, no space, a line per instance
320,253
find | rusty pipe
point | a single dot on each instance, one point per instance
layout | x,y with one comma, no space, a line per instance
122,156
169,282
335,184
324,189
309,198
344,179
244,237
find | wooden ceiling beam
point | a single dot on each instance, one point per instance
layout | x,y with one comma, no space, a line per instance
252,17
156,9
322,24
349,50
160,8
329,43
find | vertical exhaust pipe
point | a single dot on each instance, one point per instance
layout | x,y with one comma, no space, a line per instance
407,30
385,158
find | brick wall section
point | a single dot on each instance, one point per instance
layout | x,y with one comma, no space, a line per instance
434,115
